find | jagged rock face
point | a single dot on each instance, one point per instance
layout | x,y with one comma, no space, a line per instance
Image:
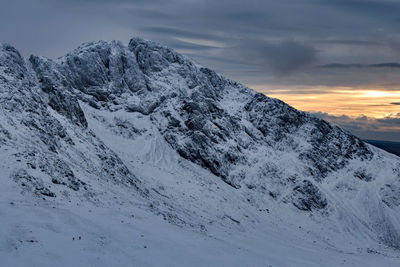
256,144
40,141
307,196
330,147
184,101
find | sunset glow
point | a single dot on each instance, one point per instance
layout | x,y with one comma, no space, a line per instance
341,101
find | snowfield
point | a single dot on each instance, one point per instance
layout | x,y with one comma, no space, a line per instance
135,155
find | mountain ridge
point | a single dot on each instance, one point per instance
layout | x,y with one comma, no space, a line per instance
142,126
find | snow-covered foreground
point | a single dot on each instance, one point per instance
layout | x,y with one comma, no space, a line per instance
138,156
39,234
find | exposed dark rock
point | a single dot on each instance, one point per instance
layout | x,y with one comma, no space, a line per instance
363,175
390,195
306,196
31,184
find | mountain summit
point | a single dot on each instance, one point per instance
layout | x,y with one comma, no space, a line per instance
140,151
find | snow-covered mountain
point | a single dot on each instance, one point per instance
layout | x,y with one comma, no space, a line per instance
135,155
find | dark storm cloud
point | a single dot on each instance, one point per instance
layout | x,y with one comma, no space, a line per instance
282,57
382,8
379,65
367,128
176,32
176,44
389,121
350,42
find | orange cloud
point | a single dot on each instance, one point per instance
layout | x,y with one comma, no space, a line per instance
352,102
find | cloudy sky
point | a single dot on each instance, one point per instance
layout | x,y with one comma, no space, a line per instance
337,58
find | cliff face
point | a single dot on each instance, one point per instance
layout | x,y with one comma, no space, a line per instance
206,118
142,119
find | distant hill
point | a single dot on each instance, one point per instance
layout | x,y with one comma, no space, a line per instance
391,147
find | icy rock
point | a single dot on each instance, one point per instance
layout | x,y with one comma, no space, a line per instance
307,196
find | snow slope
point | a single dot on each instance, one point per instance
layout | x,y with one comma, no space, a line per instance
154,160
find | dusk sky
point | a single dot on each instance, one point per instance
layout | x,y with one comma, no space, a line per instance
337,58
